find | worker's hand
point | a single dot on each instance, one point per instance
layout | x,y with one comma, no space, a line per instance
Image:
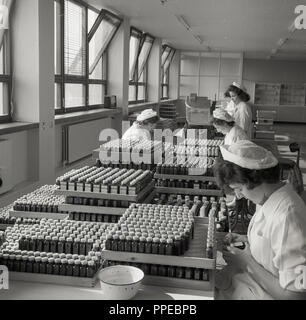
238,258
234,237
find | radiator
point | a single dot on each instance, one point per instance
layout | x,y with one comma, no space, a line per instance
79,140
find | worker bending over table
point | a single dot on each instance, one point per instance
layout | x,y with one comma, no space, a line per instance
272,263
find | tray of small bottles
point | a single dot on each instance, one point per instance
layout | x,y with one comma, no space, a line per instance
106,183
189,191
41,203
165,237
62,252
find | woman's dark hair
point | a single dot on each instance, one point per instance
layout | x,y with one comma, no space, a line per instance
222,123
148,121
227,173
227,94
243,96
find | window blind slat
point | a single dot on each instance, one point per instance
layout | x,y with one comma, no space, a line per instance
75,33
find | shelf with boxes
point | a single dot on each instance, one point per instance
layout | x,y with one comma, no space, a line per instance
166,244
288,100
60,252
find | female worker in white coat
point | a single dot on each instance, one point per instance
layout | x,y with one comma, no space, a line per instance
242,110
143,126
273,263
225,123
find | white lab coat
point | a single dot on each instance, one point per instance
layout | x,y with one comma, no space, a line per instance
243,117
136,132
230,108
277,237
234,135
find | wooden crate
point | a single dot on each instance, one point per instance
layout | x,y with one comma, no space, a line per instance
108,196
193,258
53,279
38,215
189,191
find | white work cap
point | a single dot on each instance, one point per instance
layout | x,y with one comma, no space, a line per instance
239,86
222,114
249,155
146,114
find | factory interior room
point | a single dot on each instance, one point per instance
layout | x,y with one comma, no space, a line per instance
153,150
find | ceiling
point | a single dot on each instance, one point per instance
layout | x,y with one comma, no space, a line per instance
251,26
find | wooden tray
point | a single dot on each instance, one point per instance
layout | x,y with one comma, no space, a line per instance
183,177
107,196
92,209
38,215
202,192
193,258
49,278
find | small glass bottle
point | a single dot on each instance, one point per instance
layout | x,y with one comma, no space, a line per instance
128,244
171,271
83,268
16,264
29,265
43,265
154,270
197,274
115,242
76,268
179,272
49,266
63,267
23,263
53,244
121,243
89,245
68,245
69,271
155,246
90,269
142,245
46,247
135,244
162,246
37,264
75,246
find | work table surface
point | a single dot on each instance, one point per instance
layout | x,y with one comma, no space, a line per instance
19,290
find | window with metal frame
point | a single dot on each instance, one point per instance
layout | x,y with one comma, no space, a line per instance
82,35
5,70
167,57
140,48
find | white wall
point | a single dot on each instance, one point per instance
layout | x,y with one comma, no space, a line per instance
274,71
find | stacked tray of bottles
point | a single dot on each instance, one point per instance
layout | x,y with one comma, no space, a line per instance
107,183
41,203
199,207
189,265
63,252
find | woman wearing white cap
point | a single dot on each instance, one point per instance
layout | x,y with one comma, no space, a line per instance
143,126
225,123
242,112
273,263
